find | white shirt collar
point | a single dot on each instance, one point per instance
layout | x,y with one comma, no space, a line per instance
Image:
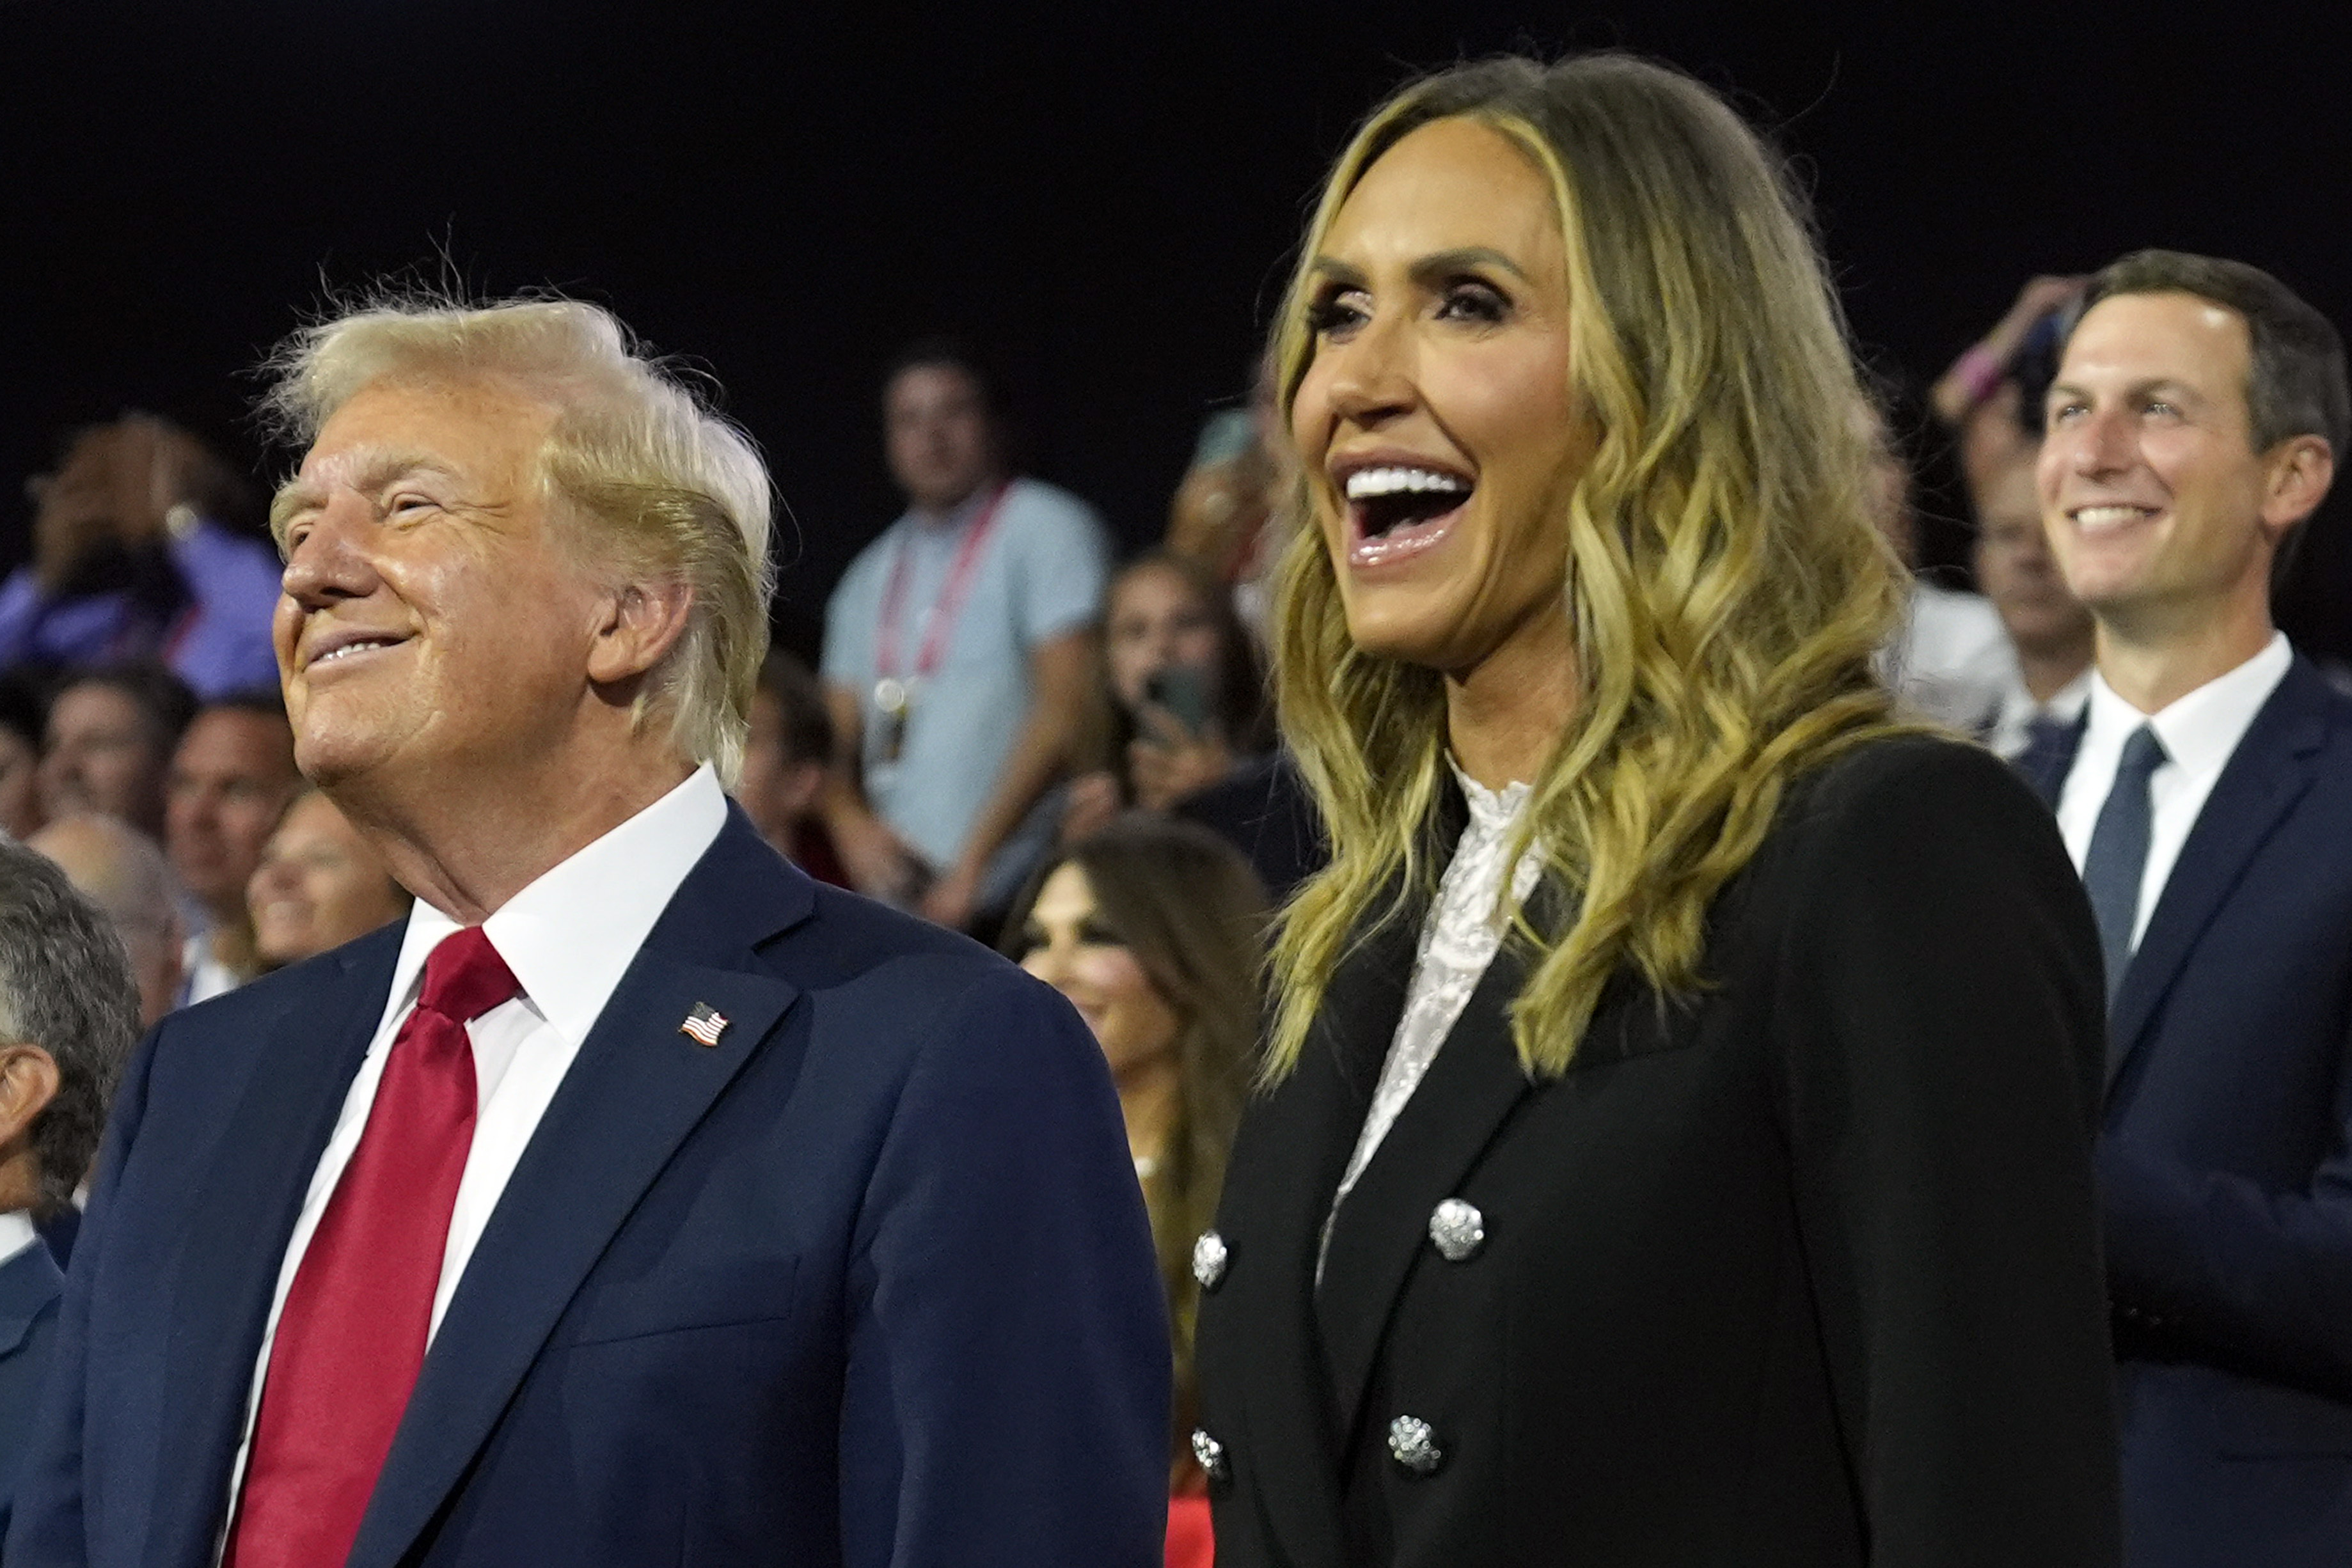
570,935
2200,729
17,1233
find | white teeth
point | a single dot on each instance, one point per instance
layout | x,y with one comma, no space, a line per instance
2107,516
1394,481
351,648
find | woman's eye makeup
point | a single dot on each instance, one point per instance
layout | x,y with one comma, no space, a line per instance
1095,933
1474,299
1335,311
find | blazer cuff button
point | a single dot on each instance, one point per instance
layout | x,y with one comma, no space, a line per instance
1413,1446
1209,1256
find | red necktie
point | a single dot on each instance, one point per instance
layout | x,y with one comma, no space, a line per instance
352,1336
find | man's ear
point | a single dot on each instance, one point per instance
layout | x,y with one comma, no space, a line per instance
643,622
28,1081
2295,478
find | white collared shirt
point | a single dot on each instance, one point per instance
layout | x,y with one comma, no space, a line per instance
2197,731
568,937
2011,730
17,1233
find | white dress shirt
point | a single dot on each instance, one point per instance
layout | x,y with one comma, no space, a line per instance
568,937
2197,731
17,1233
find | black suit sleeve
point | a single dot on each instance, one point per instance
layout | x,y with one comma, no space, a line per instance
1940,1020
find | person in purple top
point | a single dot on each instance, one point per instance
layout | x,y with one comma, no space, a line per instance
134,558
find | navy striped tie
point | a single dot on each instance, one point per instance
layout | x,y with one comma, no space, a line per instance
2117,860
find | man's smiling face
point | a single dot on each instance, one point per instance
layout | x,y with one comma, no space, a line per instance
433,613
2151,487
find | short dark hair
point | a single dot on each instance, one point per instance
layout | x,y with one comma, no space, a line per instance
64,986
2295,385
800,701
165,699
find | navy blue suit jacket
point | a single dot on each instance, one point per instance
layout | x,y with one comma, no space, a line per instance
869,1282
29,1287
2226,1170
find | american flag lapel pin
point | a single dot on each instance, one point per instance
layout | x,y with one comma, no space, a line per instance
704,1024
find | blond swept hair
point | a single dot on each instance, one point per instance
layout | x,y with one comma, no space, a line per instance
1724,584
666,487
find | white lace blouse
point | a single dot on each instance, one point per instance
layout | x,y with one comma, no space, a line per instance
1460,937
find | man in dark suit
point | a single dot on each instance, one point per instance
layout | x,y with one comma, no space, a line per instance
2207,798
636,1199
69,1014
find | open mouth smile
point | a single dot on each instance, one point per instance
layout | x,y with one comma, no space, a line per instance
1398,510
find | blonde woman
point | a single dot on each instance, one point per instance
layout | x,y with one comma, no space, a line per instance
1675,1141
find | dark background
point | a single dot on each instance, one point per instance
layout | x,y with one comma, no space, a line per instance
1103,197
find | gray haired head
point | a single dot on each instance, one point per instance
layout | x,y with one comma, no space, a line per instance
66,987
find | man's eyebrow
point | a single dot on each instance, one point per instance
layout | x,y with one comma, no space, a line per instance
298,495
2169,386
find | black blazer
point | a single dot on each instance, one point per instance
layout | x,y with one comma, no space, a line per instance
2226,1174
1803,1270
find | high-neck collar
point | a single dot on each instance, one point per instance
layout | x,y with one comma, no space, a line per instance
1490,808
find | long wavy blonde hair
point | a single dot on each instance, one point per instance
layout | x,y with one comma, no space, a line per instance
1725,584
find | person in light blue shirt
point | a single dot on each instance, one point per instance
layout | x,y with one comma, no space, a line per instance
959,650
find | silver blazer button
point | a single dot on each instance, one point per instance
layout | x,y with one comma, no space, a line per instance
1209,1454
1209,1256
1457,1228
1413,1446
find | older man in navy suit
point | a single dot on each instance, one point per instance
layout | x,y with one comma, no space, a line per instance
2207,797
68,1015
635,1200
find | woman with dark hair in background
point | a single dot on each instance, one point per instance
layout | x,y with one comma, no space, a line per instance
1154,930
1183,696
1682,1079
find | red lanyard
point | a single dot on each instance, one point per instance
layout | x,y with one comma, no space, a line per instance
944,609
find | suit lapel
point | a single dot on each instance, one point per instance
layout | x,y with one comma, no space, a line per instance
637,1088
2264,778
28,1283
1471,1086
1303,1136
226,1270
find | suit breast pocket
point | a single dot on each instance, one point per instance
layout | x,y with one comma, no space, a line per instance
731,1292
